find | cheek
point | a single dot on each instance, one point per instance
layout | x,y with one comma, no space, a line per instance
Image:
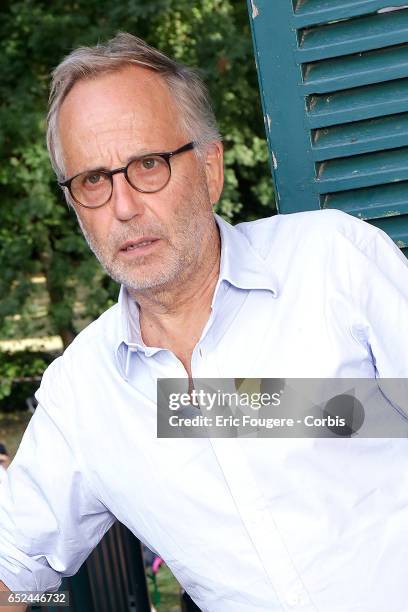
189,190
95,222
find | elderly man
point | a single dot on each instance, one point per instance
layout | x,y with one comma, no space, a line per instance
244,524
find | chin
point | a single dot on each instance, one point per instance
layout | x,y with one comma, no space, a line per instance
145,275
141,282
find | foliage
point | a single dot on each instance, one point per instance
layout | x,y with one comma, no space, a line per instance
38,233
20,371
12,427
169,590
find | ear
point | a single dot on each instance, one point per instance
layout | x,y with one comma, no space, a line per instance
214,169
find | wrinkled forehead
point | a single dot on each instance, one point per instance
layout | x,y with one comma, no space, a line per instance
131,108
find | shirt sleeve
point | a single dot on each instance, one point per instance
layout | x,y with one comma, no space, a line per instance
383,306
50,519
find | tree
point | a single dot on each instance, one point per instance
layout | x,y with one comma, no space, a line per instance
38,233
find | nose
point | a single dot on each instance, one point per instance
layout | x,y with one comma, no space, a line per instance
126,201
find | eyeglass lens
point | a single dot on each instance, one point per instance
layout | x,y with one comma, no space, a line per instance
147,174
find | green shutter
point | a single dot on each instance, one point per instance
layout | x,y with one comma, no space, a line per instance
334,86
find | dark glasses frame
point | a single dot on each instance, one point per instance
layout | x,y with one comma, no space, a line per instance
167,155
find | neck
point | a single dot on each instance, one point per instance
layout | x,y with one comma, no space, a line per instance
174,317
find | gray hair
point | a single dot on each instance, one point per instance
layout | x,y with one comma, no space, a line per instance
196,117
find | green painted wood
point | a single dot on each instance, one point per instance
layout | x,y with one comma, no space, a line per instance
335,101
353,36
388,210
362,170
360,137
280,81
311,12
372,202
356,70
359,103
397,227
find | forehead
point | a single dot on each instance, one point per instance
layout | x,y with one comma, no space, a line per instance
117,115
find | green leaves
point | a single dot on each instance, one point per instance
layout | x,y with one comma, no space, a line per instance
21,366
38,233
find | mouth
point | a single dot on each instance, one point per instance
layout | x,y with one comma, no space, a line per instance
141,245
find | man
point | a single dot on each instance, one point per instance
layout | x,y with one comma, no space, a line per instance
244,524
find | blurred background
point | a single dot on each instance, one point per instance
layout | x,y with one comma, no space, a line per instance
51,286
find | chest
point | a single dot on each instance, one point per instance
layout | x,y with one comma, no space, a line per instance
255,335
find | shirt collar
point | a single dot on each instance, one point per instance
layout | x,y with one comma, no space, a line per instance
241,266
129,338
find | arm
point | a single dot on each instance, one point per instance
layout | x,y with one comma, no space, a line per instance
382,293
50,516
16,608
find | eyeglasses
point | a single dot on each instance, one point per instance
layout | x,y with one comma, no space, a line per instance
148,174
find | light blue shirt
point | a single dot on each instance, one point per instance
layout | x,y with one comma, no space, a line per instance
244,524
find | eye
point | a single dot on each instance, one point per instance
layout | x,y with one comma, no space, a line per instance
93,179
149,163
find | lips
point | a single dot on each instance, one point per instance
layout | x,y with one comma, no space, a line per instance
140,243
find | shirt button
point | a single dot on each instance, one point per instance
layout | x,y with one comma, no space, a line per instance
294,600
200,351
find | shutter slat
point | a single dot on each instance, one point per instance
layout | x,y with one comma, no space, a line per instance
359,103
371,202
397,227
338,128
362,170
311,12
347,37
356,70
360,137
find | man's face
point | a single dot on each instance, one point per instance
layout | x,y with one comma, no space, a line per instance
102,124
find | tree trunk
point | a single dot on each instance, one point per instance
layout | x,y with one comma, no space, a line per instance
57,296
67,336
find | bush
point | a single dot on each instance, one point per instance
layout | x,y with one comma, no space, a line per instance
20,374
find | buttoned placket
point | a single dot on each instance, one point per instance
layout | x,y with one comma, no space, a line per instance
251,504
260,526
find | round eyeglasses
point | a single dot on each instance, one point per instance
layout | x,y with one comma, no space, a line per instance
147,173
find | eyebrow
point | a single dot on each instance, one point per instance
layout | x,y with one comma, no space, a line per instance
129,159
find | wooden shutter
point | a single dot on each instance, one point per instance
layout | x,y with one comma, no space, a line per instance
334,86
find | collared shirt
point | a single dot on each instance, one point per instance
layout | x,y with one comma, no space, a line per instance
245,525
